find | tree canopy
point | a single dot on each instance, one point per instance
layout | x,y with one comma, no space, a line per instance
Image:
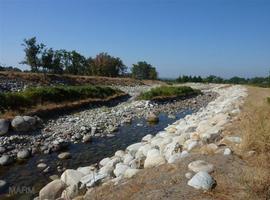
143,70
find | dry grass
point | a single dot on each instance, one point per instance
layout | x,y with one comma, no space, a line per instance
254,127
74,79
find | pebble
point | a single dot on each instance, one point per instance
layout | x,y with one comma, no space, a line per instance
227,151
41,166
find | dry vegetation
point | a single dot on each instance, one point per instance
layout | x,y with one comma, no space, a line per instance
75,79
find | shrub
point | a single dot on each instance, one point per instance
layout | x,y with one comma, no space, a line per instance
168,92
57,94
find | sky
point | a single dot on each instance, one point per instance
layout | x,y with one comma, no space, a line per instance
179,37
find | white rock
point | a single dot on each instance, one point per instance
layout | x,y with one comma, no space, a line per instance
227,151
120,153
104,161
130,173
85,170
71,177
184,154
144,150
154,158
132,149
120,169
201,165
114,161
91,179
52,190
147,138
202,180
127,158
174,158
107,169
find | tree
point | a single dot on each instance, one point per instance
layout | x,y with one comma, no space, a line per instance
143,70
32,52
105,65
74,63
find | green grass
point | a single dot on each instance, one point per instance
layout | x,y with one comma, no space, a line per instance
268,100
57,94
168,92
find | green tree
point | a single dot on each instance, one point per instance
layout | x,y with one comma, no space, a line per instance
32,53
74,63
143,70
105,65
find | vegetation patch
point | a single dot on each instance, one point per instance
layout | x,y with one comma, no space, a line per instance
168,93
32,97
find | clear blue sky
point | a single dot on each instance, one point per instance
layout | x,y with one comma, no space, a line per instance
192,37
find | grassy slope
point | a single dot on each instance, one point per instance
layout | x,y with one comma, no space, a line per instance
168,92
238,176
45,98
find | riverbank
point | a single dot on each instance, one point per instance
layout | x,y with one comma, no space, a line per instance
179,140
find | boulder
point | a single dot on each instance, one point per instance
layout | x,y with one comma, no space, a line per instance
120,153
114,161
86,170
53,190
130,173
5,160
154,158
31,121
92,179
87,138
202,180
174,158
120,169
4,126
104,161
127,158
64,155
152,117
201,165
107,169
71,177
147,138
70,192
19,124
132,149
23,154
143,150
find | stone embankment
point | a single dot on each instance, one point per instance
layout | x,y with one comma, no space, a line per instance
199,130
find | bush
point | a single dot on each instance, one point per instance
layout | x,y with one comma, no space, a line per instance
168,92
40,95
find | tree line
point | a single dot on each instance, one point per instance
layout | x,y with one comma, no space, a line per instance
260,81
47,60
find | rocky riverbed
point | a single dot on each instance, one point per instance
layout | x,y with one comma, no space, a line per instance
177,141
82,126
